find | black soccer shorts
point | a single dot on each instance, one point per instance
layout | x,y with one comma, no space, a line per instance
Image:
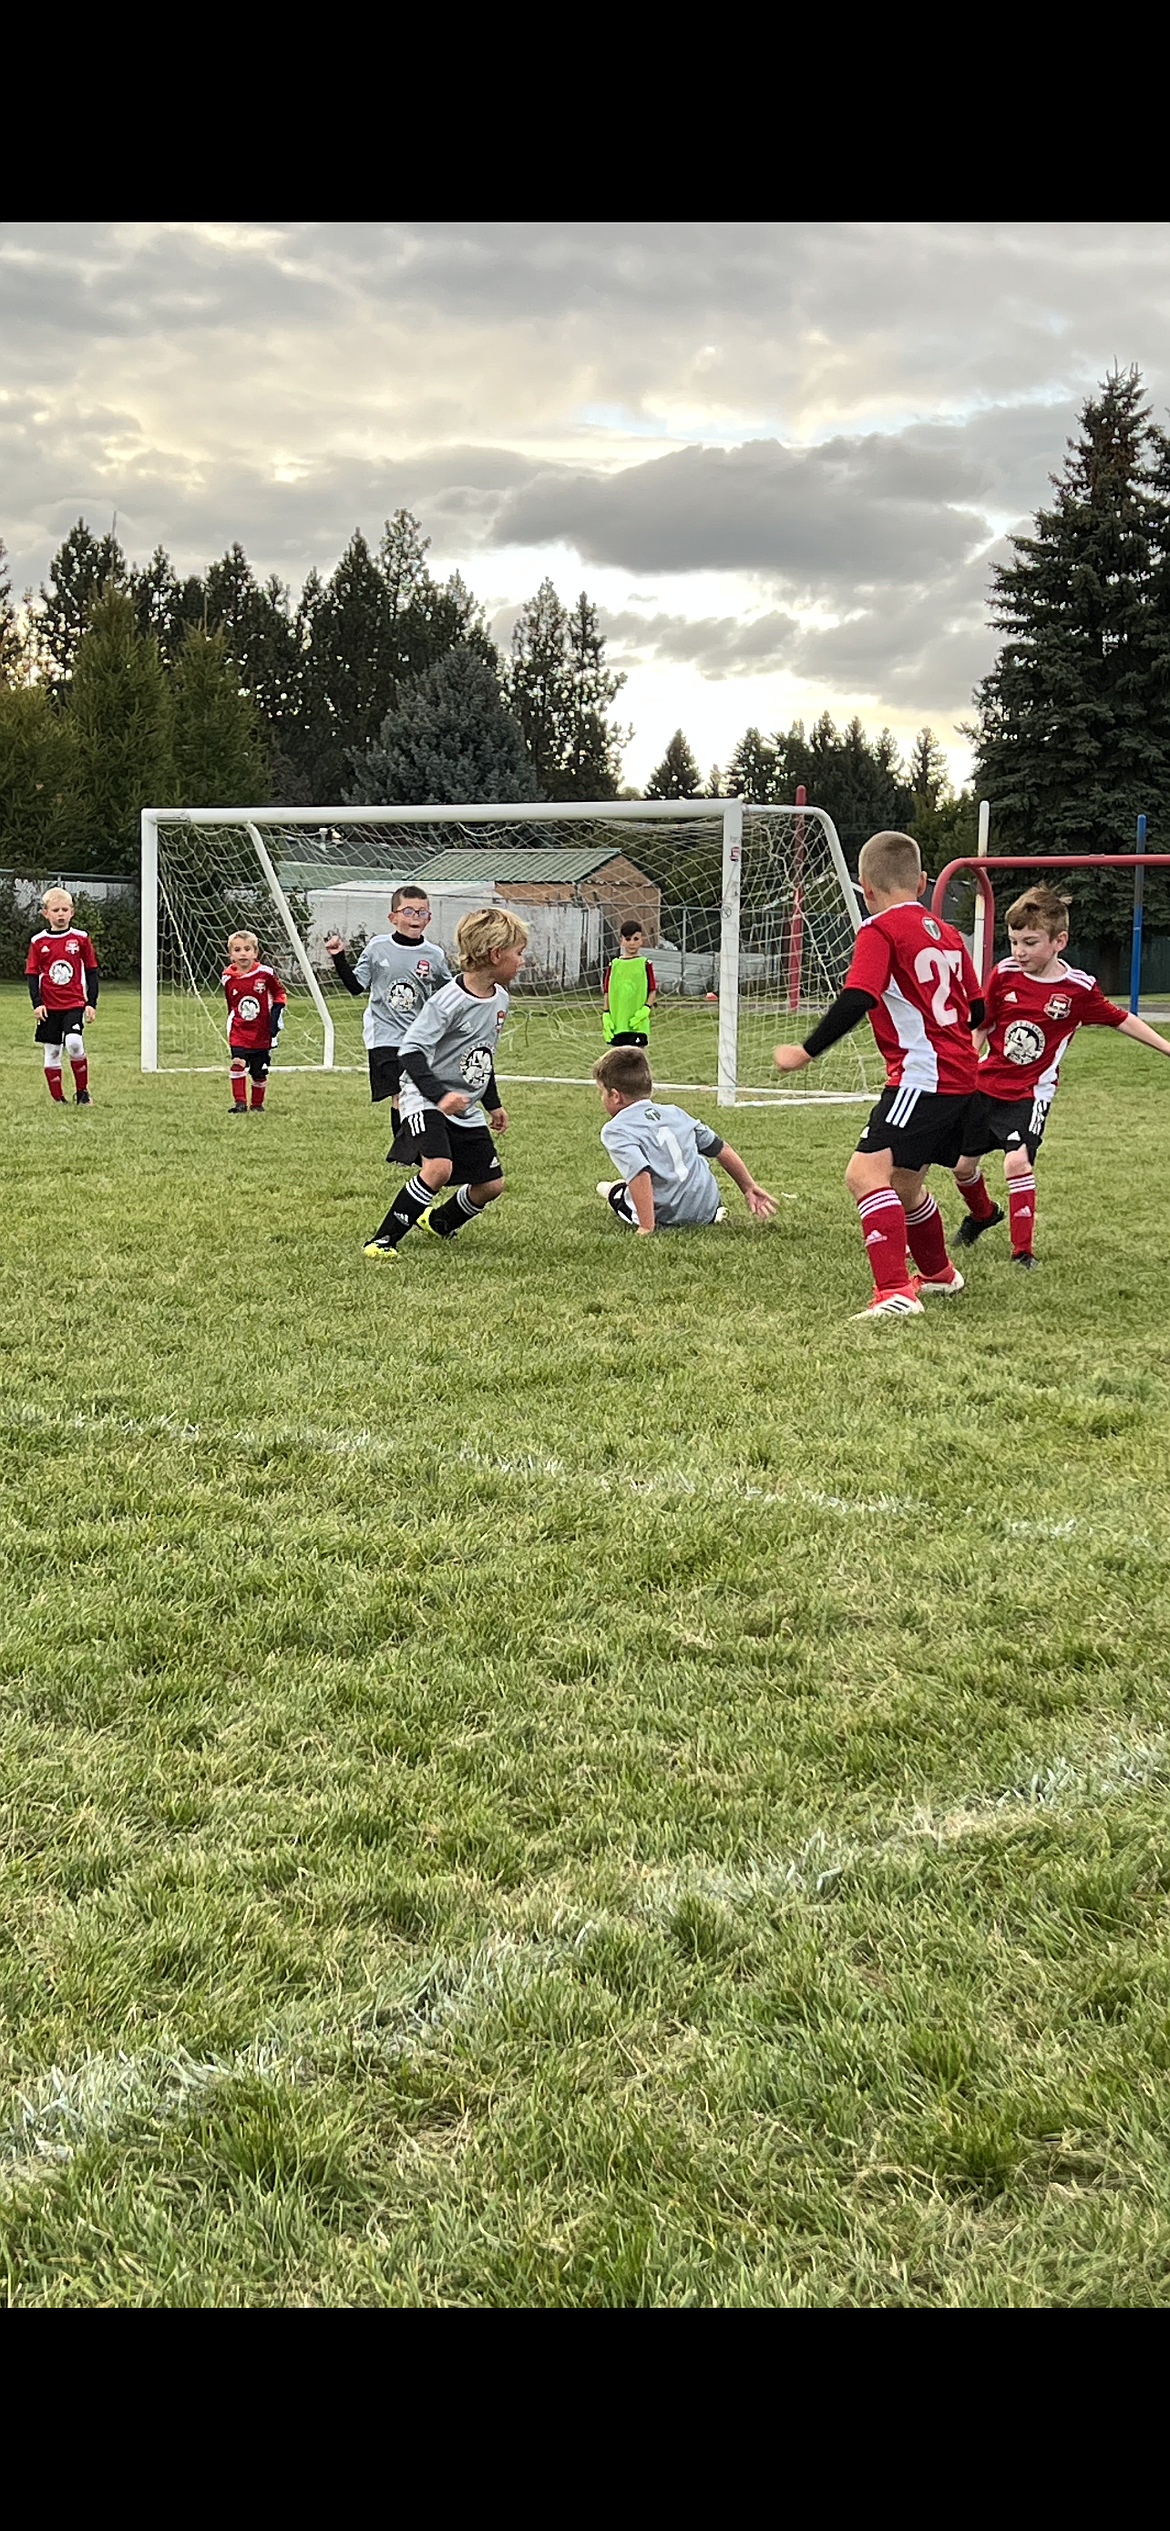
58,1025
469,1148
385,1072
257,1059
1005,1125
919,1128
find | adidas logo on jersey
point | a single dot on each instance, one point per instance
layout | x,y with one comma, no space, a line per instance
1011,997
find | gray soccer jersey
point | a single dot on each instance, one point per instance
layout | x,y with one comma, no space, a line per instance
456,1035
400,977
669,1143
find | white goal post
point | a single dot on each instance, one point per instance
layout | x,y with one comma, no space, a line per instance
748,912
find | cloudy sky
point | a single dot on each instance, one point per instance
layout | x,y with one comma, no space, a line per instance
779,456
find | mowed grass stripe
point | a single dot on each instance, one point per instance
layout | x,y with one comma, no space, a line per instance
582,1777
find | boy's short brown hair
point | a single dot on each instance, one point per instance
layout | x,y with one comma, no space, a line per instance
625,1069
1039,909
494,928
402,895
889,861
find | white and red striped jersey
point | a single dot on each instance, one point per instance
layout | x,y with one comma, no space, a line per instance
924,984
1030,1021
254,1000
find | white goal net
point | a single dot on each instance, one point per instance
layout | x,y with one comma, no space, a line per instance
748,914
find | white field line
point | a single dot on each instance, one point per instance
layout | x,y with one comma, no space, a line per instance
675,1484
67,2108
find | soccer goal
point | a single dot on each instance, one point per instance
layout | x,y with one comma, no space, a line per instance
748,915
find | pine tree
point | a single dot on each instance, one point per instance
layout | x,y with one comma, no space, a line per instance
11,639
928,774
82,569
37,778
120,719
1072,726
560,690
753,771
449,737
220,759
678,776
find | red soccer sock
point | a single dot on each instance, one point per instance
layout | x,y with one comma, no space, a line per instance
975,1196
79,1066
883,1228
240,1088
1022,1214
258,1090
53,1077
927,1238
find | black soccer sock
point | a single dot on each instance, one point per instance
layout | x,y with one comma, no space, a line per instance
405,1210
455,1214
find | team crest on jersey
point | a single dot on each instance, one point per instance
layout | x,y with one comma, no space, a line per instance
1059,1007
248,1006
1024,1041
60,972
422,967
476,1067
932,929
500,1018
401,995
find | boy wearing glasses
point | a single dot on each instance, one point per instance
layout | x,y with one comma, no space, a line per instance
399,969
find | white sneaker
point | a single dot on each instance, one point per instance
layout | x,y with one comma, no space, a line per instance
605,1186
903,1304
950,1282
721,1215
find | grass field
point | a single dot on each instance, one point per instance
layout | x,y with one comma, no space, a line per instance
566,1772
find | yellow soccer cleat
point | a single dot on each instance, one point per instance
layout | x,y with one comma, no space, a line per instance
380,1250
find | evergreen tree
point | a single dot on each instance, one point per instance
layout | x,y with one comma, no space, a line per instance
37,779
928,774
163,604
220,758
1072,728
560,690
678,776
120,719
753,772
11,641
81,570
449,737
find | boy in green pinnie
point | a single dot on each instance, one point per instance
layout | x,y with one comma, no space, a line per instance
629,992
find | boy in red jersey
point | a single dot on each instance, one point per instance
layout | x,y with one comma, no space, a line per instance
256,1000
913,976
1035,1003
62,972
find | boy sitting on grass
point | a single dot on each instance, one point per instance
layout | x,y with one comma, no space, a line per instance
663,1152
450,1103
1034,1004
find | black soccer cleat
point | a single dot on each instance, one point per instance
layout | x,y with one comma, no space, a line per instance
1023,1256
237,1108
970,1230
81,1098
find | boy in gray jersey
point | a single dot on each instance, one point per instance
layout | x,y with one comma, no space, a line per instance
400,969
663,1154
450,1103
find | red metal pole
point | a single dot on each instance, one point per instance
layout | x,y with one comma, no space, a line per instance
1033,861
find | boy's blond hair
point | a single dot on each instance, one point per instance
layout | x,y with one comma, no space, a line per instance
478,934
889,861
1039,909
50,893
626,1070
244,939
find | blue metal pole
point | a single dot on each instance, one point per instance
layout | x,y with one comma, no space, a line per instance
1135,957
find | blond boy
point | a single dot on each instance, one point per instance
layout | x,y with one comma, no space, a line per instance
62,973
1035,1004
256,1004
449,1100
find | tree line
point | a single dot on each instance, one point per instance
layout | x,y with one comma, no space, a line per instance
127,685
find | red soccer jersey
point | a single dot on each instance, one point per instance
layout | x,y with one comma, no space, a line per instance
253,1001
925,984
1030,1024
59,961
